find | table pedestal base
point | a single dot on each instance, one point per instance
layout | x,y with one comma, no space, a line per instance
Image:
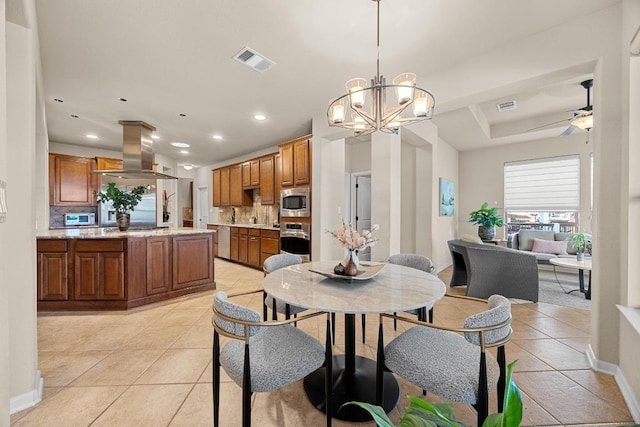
357,386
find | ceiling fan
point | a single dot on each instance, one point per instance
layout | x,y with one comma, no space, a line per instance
582,118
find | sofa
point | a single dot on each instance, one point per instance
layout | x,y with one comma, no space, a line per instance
544,244
489,269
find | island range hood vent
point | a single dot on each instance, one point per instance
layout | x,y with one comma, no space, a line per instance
137,153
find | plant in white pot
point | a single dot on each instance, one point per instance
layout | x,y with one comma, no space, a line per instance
487,220
123,202
581,242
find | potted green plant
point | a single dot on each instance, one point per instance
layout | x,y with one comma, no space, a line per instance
123,202
487,220
422,413
581,242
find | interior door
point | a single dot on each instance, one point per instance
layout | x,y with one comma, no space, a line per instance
363,210
203,207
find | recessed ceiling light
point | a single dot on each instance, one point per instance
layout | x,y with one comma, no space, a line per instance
180,144
122,99
58,100
188,167
183,115
75,116
91,136
218,137
155,137
260,117
184,152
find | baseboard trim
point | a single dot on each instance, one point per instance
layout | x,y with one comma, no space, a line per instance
614,370
29,399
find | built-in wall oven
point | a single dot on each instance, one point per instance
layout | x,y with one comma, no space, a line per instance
294,203
295,238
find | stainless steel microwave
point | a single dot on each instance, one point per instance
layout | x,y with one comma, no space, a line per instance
71,219
295,202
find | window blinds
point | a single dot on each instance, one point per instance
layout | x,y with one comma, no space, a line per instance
551,184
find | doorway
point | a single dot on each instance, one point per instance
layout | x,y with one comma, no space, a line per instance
203,207
360,191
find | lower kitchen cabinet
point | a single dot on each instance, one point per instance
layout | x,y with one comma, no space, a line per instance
234,243
215,238
269,244
122,273
52,270
253,248
243,242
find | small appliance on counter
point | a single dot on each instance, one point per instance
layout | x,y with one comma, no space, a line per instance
75,219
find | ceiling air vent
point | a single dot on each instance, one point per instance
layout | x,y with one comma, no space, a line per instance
506,106
253,60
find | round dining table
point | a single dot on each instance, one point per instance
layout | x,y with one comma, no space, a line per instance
378,288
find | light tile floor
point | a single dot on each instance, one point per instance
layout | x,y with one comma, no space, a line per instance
152,366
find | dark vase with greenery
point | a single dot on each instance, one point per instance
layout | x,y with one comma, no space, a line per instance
487,220
123,202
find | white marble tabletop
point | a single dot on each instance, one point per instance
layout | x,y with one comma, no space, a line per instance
572,263
394,288
114,233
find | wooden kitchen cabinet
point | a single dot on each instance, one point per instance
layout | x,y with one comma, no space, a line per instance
243,245
225,188
267,181
192,260
52,270
251,174
277,177
238,196
158,261
295,162
71,182
107,163
253,248
215,238
234,243
99,269
215,196
269,244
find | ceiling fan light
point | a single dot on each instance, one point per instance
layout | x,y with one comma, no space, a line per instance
583,122
404,84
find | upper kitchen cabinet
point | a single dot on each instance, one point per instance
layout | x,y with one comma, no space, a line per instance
295,162
251,174
71,182
237,194
216,188
107,163
267,180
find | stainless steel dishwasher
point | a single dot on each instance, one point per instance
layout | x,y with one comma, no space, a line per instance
224,241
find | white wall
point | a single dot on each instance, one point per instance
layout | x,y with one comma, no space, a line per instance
482,175
445,227
5,364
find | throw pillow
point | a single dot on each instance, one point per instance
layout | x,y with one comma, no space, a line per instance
549,247
471,239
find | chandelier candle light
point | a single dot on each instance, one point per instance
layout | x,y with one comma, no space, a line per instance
366,106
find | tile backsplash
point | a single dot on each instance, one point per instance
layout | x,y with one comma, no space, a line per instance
264,214
56,213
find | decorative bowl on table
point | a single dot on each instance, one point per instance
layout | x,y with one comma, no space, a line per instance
365,272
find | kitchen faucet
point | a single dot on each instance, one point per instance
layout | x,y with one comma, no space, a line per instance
233,215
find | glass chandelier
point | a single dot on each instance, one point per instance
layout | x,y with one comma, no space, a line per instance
364,109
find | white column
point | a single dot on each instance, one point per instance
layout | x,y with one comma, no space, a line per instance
386,193
329,197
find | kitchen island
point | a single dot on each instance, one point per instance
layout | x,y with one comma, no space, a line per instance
107,269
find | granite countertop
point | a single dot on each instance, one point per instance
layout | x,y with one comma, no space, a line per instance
114,233
259,226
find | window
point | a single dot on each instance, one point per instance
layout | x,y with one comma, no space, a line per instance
542,194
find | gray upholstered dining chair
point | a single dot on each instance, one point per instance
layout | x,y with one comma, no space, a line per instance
419,262
453,366
273,263
264,356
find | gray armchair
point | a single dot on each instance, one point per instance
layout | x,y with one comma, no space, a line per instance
506,272
453,366
263,356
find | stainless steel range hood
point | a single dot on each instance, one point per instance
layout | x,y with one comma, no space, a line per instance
137,153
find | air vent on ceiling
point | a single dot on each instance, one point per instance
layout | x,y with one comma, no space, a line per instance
253,59
506,106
